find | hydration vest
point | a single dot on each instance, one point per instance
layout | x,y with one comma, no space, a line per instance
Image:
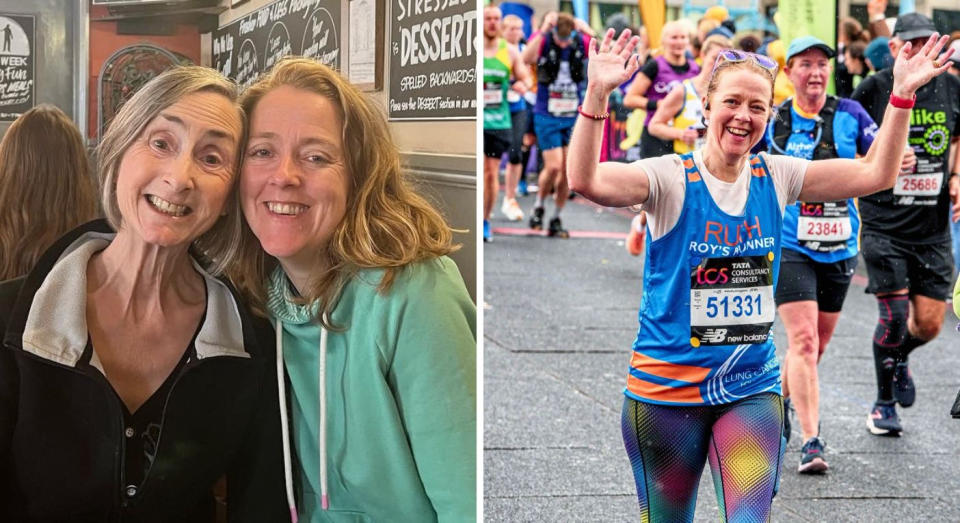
783,127
548,65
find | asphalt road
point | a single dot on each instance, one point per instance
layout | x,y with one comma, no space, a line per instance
559,317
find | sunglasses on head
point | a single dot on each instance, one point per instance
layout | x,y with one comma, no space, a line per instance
733,55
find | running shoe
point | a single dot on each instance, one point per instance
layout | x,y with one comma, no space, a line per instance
811,457
636,235
522,187
556,229
883,419
787,410
487,231
903,389
511,209
536,219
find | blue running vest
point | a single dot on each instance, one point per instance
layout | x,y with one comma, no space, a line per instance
707,306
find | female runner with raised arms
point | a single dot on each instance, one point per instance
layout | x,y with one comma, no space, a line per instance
704,381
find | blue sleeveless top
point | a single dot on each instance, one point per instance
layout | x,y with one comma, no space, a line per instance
826,232
707,307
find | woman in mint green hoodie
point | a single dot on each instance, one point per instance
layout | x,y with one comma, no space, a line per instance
375,329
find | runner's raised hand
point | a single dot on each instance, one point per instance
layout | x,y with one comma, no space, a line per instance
911,73
614,62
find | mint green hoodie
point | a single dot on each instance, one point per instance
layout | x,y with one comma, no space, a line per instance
400,397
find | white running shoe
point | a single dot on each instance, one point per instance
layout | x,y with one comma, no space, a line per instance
511,209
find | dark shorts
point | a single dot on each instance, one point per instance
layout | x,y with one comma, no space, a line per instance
496,142
893,265
803,279
519,119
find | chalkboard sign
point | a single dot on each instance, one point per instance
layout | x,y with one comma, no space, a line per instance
433,59
249,46
16,65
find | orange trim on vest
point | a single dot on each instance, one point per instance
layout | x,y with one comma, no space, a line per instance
757,168
693,176
667,370
688,163
653,391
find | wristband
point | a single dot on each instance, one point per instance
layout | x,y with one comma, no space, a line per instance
602,116
651,105
902,103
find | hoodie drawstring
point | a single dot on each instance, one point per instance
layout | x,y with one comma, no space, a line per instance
285,426
322,380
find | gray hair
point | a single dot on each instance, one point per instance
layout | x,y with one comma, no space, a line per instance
220,243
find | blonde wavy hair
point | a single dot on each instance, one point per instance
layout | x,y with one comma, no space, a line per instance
387,224
217,246
46,187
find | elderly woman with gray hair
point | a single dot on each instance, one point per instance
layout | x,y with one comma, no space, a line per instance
131,377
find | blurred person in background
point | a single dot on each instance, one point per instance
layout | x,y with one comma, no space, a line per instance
501,65
42,195
513,34
877,54
559,51
851,32
658,77
782,86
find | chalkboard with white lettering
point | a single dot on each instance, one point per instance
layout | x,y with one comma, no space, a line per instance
433,60
16,65
250,45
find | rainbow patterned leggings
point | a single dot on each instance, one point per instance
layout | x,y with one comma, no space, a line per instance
668,445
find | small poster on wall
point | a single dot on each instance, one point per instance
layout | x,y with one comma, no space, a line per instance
250,45
16,65
433,60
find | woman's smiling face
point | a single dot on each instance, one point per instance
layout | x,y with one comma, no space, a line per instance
738,110
174,179
294,183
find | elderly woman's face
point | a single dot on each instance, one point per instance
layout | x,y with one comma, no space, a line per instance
293,187
173,180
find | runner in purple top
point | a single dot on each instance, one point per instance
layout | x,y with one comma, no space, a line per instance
657,77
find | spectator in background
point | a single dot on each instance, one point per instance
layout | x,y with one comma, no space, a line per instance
749,43
854,68
782,87
657,77
878,55
559,51
704,26
876,13
512,29
850,31
42,195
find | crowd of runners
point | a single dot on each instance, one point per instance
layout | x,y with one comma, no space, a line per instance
753,187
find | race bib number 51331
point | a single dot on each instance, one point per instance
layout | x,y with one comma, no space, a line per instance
731,301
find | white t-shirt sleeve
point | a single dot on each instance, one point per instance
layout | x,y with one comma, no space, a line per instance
667,187
787,173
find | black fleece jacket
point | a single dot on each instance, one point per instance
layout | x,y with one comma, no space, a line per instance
62,427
